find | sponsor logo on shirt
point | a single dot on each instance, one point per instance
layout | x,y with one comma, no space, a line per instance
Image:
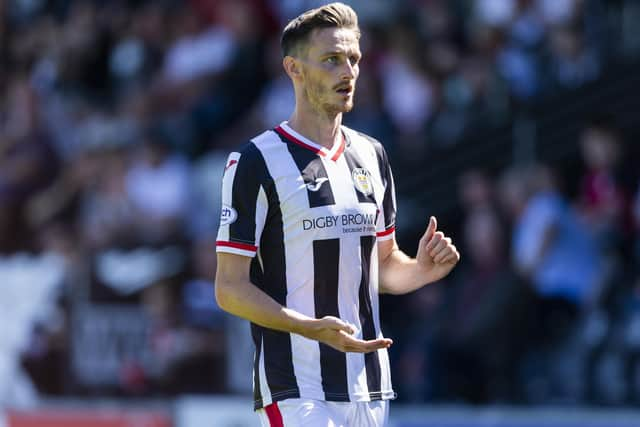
362,181
349,223
228,215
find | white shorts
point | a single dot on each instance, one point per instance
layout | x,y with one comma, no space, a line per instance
318,413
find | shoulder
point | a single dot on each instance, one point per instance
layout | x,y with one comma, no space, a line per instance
251,151
361,138
248,162
265,138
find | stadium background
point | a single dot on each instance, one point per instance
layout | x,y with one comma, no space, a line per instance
513,121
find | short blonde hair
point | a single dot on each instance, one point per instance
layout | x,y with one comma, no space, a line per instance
296,33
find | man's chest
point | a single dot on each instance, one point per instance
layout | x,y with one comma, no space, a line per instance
328,199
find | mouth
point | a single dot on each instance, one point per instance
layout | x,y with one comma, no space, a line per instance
345,90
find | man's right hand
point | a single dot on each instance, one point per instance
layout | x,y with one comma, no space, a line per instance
338,334
236,294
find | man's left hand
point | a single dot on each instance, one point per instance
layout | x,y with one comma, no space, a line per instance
436,253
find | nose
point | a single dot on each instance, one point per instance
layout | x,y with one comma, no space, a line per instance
349,71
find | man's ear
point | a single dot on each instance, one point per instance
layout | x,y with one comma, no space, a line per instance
292,67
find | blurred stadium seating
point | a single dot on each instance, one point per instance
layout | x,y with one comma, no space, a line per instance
514,121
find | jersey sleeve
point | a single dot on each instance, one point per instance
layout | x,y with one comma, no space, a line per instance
386,226
244,205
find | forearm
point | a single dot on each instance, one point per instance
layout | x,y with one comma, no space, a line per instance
247,301
237,295
401,274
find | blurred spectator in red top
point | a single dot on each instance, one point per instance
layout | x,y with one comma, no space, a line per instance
602,197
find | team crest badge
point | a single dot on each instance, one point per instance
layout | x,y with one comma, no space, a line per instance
362,181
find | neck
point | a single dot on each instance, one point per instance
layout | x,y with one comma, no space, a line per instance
323,129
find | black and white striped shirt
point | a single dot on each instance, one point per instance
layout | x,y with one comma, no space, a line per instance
311,217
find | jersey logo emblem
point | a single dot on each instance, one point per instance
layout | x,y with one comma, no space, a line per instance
231,163
315,186
362,181
228,215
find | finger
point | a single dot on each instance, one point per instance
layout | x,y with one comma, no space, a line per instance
434,242
431,228
452,258
448,256
373,345
345,327
338,325
354,345
442,256
357,344
441,246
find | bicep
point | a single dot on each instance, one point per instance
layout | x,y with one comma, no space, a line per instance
232,285
232,268
387,250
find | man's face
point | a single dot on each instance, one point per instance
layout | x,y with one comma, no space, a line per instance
330,69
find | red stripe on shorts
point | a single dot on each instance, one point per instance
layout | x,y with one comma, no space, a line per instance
274,415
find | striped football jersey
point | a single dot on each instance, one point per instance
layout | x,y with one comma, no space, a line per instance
310,217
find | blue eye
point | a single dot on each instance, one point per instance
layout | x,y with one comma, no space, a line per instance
332,60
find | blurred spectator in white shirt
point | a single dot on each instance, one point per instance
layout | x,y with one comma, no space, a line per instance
157,184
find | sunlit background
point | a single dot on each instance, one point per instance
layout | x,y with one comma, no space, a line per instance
513,121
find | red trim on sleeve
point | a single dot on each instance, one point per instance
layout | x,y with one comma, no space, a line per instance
242,246
385,232
274,415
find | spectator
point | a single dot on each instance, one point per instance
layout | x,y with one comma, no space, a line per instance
553,251
486,308
550,246
157,184
27,162
107,215
573,62
602,197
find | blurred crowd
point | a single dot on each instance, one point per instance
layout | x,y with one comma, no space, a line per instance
115,121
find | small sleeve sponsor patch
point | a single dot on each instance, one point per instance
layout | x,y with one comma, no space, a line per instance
228,215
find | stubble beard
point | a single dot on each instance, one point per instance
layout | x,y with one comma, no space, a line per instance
314,96
335,109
